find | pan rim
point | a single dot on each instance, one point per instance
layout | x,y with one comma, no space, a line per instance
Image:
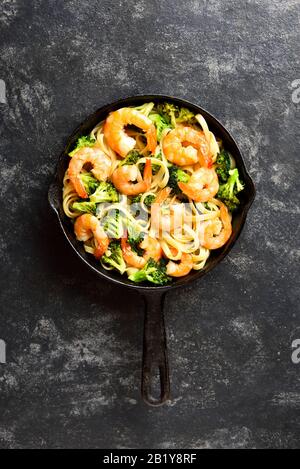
54,188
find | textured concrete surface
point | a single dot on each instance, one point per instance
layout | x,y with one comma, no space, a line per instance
74,344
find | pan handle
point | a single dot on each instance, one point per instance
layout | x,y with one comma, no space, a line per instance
155,360
53,196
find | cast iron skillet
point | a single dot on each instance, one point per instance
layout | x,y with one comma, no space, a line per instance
155,362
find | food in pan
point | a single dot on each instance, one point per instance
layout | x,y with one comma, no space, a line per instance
151,192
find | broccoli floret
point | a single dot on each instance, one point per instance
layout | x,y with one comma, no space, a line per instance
114,258
177,175
168,111
134,242
136,199
105,192
184,115
173,114
132,158
153,272
232,204
228,191
83,142
144,108
113,225
160,123
85,207
90,182
149,199
156,167
223,165
134,231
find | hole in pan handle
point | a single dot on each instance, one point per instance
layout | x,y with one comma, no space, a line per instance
155,369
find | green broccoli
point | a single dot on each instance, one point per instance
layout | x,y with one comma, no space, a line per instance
81,143
136,199
153,272
90,182
167,111
132,158
85,207
113,225
133,228
223,165
149,199
144,108
156,167
177,175
173,114
134,231
229,190
105,192
185,115
114,258
134,242
160,123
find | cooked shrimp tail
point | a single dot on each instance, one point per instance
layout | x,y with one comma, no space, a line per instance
182,268
214,238
151,247
124,176
151,139
202,186
101,167
147,175
117,138
185,146
87,226
130,256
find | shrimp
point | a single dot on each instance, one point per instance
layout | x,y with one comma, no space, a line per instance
182,268
215,236
101,167
124,176
116,136
152,249
88,225
202,186
185,146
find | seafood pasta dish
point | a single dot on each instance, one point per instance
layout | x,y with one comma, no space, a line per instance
151,192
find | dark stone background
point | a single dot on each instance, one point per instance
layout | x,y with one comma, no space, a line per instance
73,343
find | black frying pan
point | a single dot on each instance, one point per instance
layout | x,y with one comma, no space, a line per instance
155,362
